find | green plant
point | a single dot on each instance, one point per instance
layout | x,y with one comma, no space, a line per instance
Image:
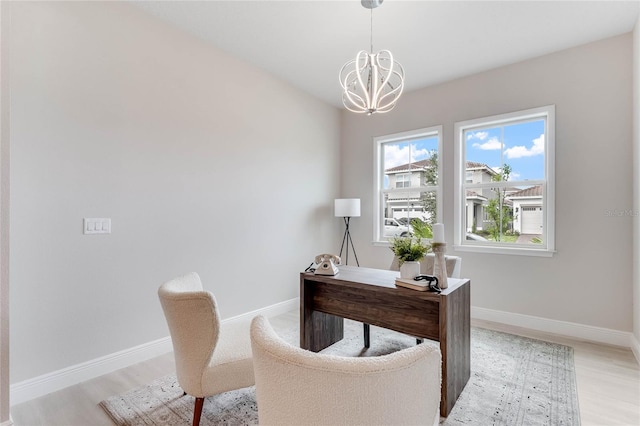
408,249
421,229
499,213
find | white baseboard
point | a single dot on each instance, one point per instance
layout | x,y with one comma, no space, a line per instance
51,382
56,380
269,311
564,328
635,347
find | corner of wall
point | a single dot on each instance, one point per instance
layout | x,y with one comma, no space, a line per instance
636,186
635,347
5,418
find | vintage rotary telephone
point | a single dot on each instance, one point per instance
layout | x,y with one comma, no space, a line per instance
327,264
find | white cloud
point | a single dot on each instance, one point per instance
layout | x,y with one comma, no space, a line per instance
478,135
522,151
396,155
491,144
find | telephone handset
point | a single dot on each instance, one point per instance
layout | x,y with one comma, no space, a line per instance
327,264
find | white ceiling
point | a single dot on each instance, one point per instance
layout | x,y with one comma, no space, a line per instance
307,42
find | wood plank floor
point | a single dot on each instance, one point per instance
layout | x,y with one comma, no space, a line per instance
608,381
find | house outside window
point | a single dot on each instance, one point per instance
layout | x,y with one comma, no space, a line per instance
504,172
407,184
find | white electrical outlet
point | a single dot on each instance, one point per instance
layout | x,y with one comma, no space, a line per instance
97,225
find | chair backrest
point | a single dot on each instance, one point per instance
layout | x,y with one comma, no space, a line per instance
194,323
295,386
454,264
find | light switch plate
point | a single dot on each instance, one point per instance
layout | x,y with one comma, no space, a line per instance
97,225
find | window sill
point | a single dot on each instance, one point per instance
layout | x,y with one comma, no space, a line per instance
517,251
388,243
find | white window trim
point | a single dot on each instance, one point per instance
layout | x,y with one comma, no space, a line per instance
459,228
378,173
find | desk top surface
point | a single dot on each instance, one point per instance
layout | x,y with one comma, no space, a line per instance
376,277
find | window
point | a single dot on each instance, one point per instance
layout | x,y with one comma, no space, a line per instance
469,177
403,180
408,188
508,206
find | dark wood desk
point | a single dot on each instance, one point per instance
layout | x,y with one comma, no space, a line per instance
371,296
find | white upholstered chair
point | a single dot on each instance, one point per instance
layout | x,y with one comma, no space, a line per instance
210,359
299,387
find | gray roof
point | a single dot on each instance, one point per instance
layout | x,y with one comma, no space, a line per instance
422,164
534,191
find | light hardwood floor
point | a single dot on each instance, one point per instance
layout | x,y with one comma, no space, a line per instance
608,380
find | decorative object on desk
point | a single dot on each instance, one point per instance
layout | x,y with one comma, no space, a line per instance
409,252
514,380
439,264
327,264
439,248
346,208
409,269
371,82
420,283
438,233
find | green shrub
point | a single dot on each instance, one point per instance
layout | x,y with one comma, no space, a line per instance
421,229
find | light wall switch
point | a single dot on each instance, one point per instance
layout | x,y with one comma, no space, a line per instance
97,225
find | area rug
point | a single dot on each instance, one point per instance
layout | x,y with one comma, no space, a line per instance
514,381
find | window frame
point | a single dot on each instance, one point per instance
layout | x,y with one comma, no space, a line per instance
378,175
548,182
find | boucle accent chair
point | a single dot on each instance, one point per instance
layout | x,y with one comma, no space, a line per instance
298,387
210,359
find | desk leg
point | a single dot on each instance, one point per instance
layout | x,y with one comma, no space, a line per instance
317,329
455,345
366,332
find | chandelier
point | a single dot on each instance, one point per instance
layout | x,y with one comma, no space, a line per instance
371,82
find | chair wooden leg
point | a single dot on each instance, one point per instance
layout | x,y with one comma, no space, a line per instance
197,411
366,335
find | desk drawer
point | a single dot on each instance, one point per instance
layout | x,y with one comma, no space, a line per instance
396,309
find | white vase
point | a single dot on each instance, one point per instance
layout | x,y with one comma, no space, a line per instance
409,270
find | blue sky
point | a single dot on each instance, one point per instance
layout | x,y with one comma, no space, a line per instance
519,145
405,152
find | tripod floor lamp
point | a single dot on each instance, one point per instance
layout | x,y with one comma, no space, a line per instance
347,208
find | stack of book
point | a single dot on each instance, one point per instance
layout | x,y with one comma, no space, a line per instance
412,284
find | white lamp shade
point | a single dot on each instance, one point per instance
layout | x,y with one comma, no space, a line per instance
347,207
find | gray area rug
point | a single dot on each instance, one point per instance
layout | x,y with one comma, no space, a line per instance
514,381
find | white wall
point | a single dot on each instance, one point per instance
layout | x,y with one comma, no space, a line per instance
588,280
636,189
4,215
116,114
